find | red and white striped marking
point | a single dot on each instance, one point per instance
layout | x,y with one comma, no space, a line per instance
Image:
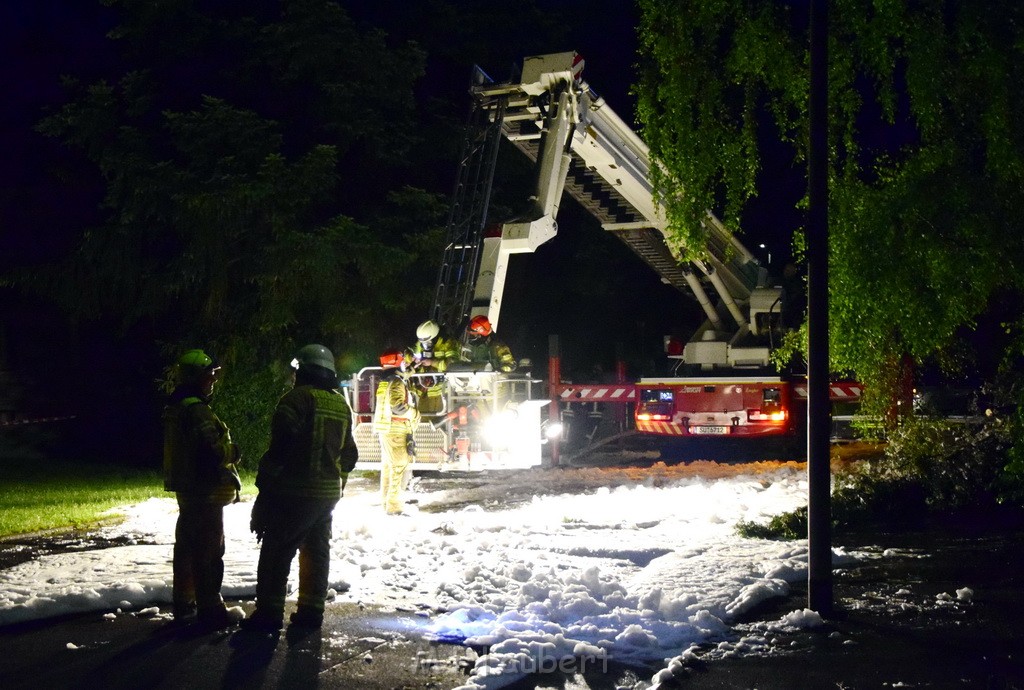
577,67
837,391
598,393
17,420
662,428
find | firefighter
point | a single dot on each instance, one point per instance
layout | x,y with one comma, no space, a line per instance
301,477
432,353
483,349
200,466
395,418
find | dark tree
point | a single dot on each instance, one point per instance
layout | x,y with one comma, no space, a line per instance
251,159
926,165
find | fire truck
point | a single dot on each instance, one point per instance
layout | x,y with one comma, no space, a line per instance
722,383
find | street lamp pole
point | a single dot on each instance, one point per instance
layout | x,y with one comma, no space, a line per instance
819,476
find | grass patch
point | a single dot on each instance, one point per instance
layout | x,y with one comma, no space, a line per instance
44,495
792,525
41,495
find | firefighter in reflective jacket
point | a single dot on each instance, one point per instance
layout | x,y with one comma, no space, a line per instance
394,420
483,348
432,353
301,477
200,467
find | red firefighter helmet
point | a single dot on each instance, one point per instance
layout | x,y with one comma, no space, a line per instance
392,359
479,325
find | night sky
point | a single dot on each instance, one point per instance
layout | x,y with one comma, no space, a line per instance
42,40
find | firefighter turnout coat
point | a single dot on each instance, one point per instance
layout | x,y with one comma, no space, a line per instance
311,446
199,455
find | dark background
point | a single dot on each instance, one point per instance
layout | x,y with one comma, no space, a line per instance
584,286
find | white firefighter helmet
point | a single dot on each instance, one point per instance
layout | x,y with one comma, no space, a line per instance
427,330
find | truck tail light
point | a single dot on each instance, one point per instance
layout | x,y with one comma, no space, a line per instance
654,412
772,409
776,415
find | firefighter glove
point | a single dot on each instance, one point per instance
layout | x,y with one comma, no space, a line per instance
258,520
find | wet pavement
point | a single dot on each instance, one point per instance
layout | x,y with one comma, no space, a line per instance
356,648
899,623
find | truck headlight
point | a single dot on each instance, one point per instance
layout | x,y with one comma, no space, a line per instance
553,431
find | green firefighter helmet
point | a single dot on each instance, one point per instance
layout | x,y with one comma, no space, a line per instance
193,364
196,359
316,355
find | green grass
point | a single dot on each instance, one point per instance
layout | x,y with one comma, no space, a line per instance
42,495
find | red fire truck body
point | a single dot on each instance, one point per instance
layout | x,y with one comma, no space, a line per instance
737,406
714,407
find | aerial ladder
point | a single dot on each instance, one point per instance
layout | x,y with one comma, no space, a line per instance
723,381
580,145
467,216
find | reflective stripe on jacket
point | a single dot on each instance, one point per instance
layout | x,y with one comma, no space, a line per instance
395,411
443,352
490,351
311,445
199,456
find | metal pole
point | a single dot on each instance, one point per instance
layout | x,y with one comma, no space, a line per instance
554,378
819,476
620,377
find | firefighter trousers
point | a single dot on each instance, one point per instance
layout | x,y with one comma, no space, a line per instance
298,524
395,461
198,566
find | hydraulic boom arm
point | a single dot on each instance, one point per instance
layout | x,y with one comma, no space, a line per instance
580,145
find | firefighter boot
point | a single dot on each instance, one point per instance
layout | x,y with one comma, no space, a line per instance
219,617
263,622
184,611
307,617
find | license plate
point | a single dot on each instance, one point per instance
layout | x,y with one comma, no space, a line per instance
709,430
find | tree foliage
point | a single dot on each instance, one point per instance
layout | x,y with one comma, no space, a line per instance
252,158
926,168
238,151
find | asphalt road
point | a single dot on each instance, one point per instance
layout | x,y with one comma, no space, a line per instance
357,648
